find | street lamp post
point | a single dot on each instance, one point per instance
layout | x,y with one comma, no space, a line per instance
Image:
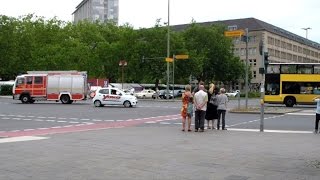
122,64
168,47
306,29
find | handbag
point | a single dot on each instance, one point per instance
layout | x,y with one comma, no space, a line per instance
214,100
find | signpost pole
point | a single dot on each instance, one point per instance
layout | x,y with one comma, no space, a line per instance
247,69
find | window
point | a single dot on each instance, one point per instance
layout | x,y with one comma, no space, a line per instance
316,69
300,88
104,91
289,46
20,81
270,41
283,45
273,69
294,48
299,49
254,74
29,80
232,28
304,69
38,80
289,69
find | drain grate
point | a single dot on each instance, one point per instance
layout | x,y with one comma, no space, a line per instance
314,164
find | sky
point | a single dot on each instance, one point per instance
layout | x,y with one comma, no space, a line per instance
291,15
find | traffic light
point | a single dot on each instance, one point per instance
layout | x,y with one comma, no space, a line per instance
266,59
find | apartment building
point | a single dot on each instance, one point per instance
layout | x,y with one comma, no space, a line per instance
97,10
282,45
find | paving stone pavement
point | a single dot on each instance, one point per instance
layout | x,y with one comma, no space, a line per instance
163,153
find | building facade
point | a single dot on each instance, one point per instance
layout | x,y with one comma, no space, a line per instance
97,10
282,46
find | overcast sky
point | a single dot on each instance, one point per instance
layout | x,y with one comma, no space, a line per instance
291,15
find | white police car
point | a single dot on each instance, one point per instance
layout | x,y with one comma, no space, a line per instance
113,96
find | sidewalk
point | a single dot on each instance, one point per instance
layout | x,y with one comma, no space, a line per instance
145,153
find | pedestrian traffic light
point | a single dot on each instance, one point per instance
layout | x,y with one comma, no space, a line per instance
266,59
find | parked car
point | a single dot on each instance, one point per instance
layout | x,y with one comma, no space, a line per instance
233,94
177,93
113,96
146,93
160,94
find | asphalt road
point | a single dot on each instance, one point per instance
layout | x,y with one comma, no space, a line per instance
15,116
81,142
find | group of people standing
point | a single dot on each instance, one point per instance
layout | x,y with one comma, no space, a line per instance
210,105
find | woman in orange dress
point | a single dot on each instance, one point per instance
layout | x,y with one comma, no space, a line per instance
185,101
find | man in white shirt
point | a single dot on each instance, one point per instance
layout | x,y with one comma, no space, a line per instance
200,103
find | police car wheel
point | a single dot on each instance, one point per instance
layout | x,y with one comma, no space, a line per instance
127,104
97,103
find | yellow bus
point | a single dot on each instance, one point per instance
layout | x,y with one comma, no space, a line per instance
292,83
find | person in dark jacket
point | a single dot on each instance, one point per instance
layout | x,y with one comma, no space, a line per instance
212,113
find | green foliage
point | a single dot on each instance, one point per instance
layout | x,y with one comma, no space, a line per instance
5,90
32,43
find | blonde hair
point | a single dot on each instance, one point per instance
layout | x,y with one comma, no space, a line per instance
188,87
211,88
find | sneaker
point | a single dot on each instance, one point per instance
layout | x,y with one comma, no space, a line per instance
315,131
224,129
196,130
208,127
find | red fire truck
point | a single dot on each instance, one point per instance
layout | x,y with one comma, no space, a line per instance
66,86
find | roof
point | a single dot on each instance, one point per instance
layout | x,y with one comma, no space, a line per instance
254,24
79,5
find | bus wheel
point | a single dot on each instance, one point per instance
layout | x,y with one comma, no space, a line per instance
289,101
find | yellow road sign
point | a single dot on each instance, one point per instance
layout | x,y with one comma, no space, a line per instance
182,56
169,60
236,33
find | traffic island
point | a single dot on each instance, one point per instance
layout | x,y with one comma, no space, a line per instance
267,110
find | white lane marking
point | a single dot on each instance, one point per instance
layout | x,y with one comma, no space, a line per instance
40,120
119,120
15,131
27,119
73,122
246,122
74,118
56,127
177,123
5,118
21,138
61,121
68,126
109,120
2,115
50,120
96,120
271,131
150,122
302,114
20,116
164,123
85,119
43,128
28,129
130,120
16,118
62,118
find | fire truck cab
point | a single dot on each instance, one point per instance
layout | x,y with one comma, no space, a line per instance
66,86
